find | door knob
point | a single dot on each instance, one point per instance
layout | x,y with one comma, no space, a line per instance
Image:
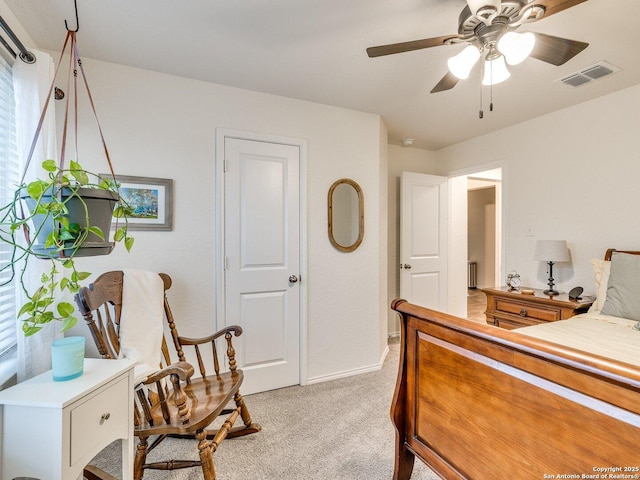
293,279
407,266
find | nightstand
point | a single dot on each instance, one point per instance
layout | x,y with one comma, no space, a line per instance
51,430
512,309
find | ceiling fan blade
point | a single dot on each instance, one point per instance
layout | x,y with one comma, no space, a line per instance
552,7
446,83
556,50
409,46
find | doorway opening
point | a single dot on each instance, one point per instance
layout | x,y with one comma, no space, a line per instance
476,255
482,231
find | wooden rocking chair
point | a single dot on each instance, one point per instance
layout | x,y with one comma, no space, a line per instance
92,472
170,402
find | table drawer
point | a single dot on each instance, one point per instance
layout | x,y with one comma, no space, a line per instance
98,417
512,322
547,314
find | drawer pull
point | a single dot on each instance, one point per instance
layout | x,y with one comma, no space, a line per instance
104,417
523,312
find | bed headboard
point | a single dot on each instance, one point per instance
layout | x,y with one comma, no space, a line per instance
607,255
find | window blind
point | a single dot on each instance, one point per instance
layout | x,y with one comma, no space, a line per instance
9,172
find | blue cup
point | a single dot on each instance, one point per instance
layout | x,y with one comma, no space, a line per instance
67,358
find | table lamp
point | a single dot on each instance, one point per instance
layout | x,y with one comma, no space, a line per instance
551,251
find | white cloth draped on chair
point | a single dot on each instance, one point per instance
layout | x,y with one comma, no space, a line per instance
141,321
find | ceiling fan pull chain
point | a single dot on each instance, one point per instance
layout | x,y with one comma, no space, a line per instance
491,87
481,112
491,99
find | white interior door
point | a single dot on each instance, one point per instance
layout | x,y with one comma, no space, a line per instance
423,240
262,257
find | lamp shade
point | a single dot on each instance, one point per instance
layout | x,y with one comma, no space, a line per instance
516,47
495,71
461,64
475,5
552,251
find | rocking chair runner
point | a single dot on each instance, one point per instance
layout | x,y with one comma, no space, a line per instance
170,402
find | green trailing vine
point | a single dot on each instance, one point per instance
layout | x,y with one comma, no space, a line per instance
61,245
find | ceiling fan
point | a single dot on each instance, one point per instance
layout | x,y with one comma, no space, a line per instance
488,28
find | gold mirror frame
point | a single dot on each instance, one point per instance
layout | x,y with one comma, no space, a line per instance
331,206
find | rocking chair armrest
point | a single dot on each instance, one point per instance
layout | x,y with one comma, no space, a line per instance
235,329
183,370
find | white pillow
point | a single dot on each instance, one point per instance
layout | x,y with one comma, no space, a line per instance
622,291
601,272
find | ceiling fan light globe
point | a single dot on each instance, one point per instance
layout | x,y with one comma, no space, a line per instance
475,5
516,47
495,71
462,63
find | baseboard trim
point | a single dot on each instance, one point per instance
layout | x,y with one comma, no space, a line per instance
394,335
350,373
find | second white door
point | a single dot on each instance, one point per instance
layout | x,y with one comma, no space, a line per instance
262,259
423,240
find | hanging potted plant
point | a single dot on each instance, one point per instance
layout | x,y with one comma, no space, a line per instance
68,215
64,215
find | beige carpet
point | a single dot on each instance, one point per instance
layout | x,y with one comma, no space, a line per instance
338,430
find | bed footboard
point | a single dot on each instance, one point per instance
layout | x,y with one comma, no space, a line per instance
477,402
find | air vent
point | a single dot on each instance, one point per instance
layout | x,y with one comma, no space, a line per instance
589,74
575,80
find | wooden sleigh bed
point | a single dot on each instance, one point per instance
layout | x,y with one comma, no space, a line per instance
478,402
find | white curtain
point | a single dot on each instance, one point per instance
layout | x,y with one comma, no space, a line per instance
31,83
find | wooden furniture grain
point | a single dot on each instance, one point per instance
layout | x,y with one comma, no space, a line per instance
513,309
171,401
91,472
51,430
474,401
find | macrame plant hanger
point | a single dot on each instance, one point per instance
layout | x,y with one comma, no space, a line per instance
74,66
74,61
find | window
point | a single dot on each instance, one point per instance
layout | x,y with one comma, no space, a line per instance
9,172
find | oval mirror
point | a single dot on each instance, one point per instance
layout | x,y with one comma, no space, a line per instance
346,215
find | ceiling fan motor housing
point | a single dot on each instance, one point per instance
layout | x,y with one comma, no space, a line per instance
488,35
512,14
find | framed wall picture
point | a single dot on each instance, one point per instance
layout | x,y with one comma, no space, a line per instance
151,200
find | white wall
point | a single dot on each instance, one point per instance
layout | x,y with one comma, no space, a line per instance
571,175
401,159
457,248
164,126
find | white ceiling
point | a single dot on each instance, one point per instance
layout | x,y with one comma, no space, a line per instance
315,50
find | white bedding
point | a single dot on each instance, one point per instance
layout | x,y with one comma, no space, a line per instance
610,337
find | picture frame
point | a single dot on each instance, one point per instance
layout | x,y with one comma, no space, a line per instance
151,199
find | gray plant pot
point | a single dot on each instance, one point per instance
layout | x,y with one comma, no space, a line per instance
100,204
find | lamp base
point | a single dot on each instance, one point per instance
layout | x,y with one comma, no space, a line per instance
551,291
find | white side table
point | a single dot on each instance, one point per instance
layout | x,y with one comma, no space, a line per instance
51,430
